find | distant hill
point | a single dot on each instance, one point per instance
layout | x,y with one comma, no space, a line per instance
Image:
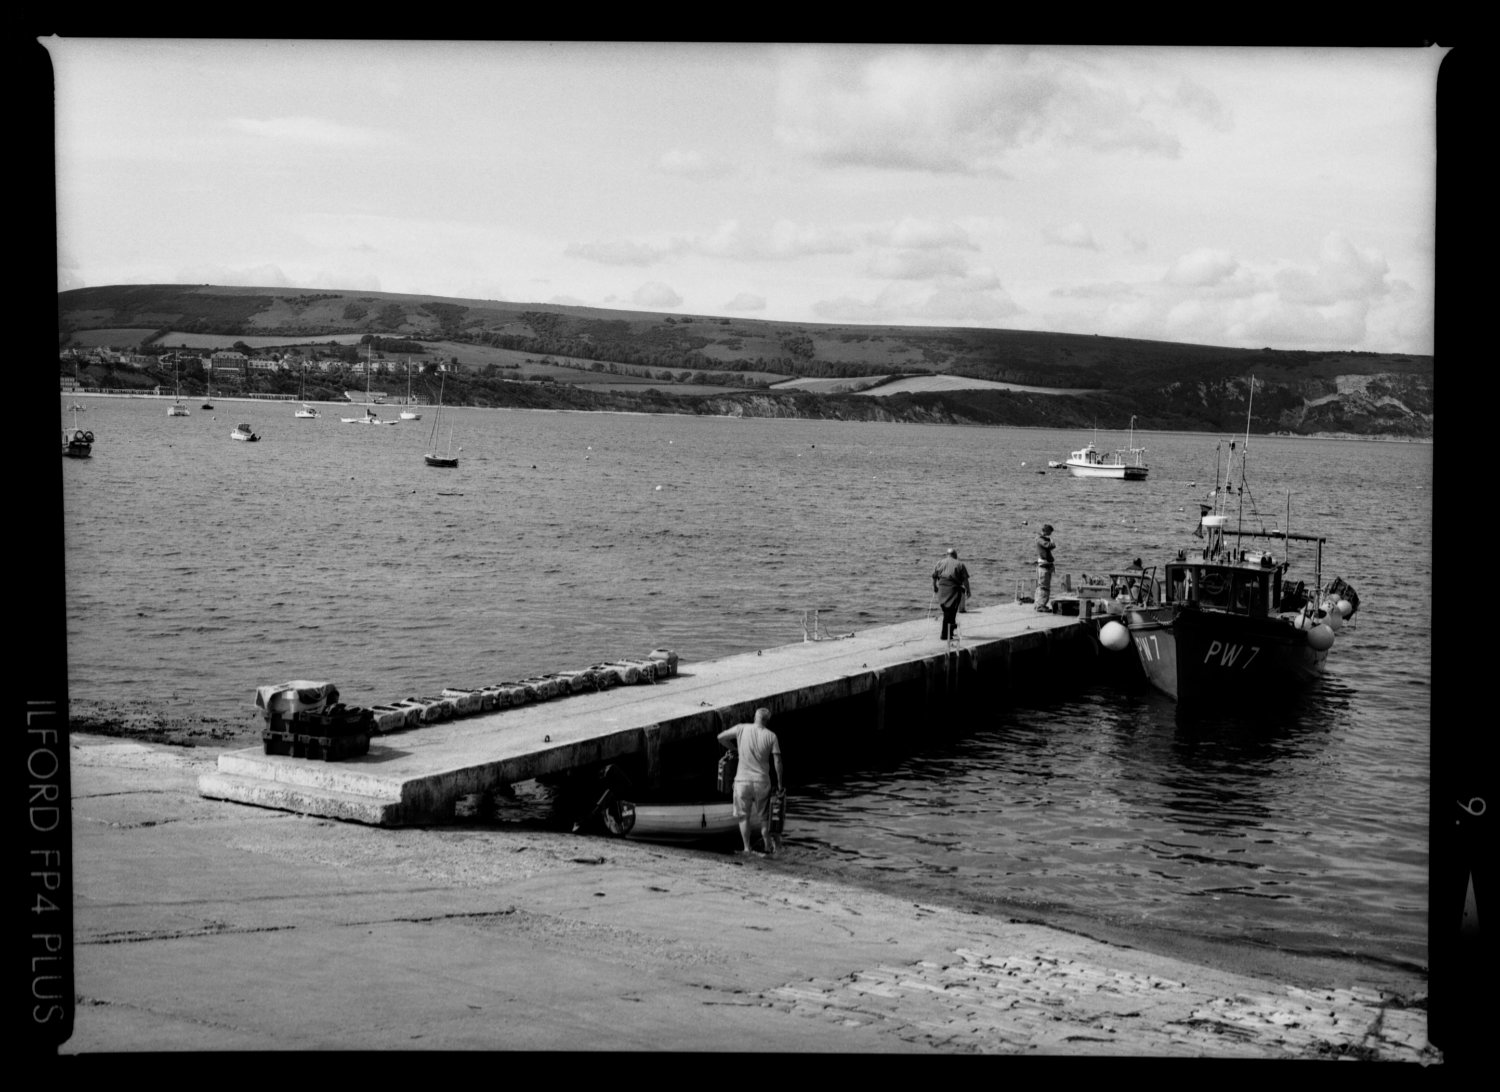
1167,385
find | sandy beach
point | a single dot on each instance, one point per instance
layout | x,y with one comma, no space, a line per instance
204,925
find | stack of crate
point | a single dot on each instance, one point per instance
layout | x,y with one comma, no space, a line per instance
339,731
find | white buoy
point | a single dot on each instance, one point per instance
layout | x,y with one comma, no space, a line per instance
1333,620
1346,608
1114,636
658,489
1320,637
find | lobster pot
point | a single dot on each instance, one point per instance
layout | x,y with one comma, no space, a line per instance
667,656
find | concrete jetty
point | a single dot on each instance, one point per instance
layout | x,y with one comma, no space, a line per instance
417,775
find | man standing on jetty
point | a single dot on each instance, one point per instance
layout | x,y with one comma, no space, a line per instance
950,583
759,751
1044,567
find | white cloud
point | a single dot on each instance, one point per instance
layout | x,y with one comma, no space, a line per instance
917,264
1074,235
782,239
1343,272
692,164
655,294
622,252
260,276
962,109
1202,268
746,301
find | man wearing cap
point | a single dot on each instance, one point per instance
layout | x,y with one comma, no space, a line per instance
950,583
1043,567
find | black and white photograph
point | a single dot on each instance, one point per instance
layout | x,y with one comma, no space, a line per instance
677,547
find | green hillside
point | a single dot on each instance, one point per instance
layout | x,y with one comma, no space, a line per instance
1166,384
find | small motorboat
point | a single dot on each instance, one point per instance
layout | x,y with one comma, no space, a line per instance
243,432
308,413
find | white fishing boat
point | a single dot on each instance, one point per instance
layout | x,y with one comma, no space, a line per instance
1127,463
243,432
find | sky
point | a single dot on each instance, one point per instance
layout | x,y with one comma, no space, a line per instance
1244,197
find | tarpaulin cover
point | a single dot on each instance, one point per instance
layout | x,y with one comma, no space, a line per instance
296,696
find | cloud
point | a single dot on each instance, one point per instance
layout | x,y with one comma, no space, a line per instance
268,275
1202,268
782,239
692,164
917,264
962,109
1074,235
746,301
622,252
1112,290
1343,272
655,294
976,299
315,132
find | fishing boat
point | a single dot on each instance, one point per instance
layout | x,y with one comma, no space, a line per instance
77,443
1128,462
177,409
409,414
433,457
1229,622
243,432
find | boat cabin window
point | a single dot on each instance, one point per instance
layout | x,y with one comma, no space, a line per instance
1252,591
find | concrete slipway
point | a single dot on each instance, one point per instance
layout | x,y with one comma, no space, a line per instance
418,775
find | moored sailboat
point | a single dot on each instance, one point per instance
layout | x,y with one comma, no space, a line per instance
446,458
409,414
177,409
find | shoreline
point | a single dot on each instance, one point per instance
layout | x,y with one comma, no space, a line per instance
1379,437
143,764
852,964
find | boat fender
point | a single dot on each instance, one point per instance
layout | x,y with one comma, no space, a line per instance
1114,636
88,437
1320,637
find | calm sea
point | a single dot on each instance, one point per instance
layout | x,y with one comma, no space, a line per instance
199,568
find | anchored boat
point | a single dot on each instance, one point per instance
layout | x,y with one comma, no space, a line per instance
1127,462
77,443
243,432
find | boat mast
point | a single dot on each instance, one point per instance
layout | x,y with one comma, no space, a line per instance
1239,532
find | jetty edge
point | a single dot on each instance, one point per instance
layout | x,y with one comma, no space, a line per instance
859,682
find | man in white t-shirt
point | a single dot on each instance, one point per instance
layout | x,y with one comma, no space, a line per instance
759,752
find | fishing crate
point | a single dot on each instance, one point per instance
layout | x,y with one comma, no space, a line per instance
325,748
337,720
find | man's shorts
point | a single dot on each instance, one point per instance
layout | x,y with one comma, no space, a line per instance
752,801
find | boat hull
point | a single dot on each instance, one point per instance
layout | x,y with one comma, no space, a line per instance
1193,655
677,824
1096,470
441,460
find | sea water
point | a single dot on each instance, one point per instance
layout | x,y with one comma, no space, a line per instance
199,568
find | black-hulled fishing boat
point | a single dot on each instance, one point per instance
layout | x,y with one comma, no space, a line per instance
1230,621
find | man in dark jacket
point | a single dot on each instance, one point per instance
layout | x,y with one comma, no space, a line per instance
1044,567
950,583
